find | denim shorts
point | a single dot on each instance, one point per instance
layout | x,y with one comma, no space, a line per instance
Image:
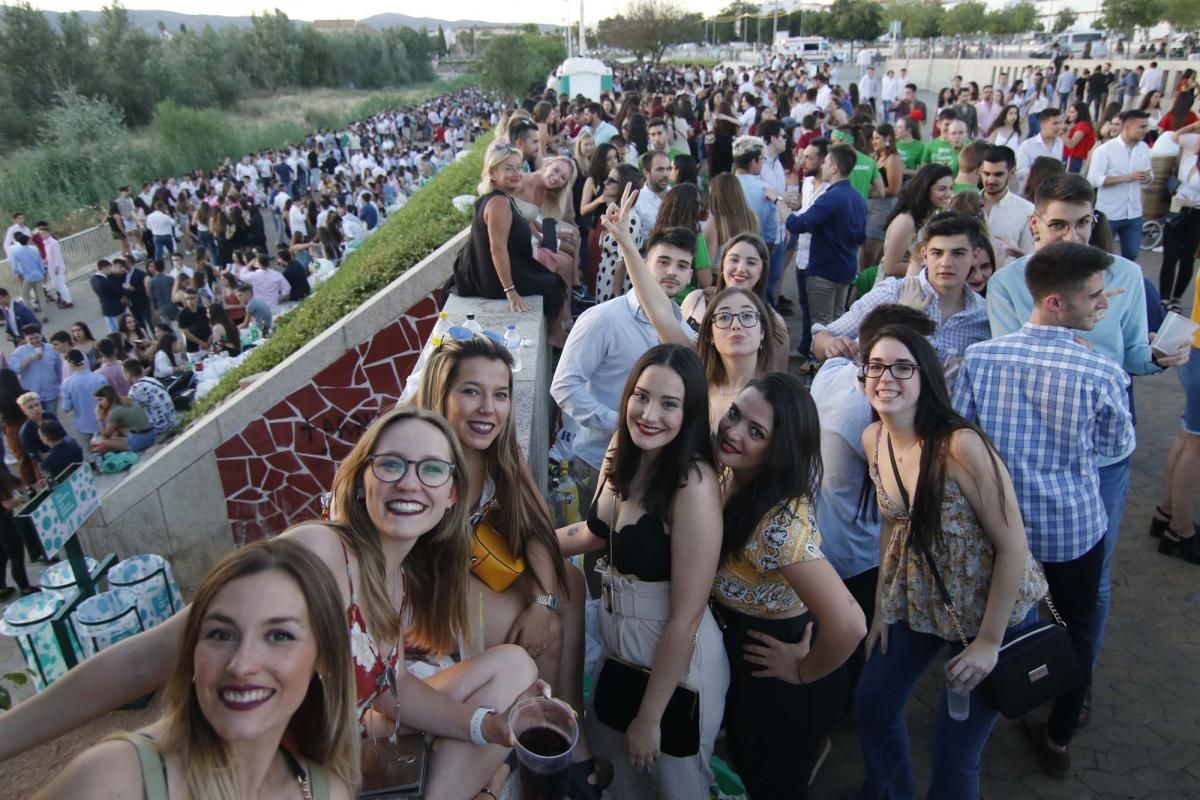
137,442
1189,376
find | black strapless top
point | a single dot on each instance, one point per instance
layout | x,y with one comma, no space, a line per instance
644,549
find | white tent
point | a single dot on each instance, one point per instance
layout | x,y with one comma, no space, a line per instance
585,76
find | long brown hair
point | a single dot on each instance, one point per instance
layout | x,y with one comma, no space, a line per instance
321,730
521,516
727,206
434,613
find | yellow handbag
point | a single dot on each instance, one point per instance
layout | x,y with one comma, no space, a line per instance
491,560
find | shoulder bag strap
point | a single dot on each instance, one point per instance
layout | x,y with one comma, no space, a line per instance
154,769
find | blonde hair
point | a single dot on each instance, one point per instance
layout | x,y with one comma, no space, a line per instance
727,205
583,163
321,730
559,203
522,516
26,398
434,613
494,156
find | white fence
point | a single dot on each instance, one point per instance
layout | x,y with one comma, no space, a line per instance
81,251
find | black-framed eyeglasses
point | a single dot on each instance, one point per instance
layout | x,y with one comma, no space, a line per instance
1059,227
901,370
724,319
433,472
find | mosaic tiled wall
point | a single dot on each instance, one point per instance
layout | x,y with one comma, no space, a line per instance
275,470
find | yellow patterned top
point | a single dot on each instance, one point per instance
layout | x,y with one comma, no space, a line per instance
751,583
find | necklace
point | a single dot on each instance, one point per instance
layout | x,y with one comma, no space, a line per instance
906,451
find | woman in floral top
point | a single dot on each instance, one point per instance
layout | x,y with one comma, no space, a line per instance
963,516
773,585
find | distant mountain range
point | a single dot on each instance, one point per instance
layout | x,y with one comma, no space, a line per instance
172,20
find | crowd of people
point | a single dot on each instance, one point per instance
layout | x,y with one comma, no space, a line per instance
774,552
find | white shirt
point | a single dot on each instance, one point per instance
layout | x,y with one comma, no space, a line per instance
823,96
10,237
264,167
246,172
297,220
647,206
160,224
1151,80
1010,218
1033,148
809,192
891,88
747,117
1121,200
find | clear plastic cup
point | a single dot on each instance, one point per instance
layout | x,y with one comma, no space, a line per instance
958,705
1176,331
546,731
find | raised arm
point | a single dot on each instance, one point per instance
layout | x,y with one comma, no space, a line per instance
659,308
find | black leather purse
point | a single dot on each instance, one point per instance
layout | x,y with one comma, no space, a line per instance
1033,668
620,687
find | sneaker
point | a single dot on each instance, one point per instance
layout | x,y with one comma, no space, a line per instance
1055,763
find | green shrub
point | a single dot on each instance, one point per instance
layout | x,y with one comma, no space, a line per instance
424,224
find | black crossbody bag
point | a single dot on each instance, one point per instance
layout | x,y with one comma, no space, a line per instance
1031,669
621,685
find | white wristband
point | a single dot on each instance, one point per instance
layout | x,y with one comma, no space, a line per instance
477,725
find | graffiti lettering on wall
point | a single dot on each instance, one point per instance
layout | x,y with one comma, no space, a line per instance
348,429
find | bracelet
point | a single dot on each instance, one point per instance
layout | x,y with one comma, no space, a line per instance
507,289
477,725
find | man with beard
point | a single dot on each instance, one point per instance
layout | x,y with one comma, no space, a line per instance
1007,213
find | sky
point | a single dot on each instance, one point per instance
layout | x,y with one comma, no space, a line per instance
545,11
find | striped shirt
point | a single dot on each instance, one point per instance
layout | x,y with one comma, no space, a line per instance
1052,407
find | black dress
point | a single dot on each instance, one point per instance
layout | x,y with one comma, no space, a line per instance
475,273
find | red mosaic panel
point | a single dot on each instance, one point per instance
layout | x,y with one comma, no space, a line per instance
275,469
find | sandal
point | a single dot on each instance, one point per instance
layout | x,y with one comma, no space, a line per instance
579,785
1159,523
1187,548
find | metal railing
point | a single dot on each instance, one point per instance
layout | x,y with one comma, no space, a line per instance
80,250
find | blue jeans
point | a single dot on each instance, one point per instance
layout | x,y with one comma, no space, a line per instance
163,245
1129,231
775,271
1114,482
114,324
883,690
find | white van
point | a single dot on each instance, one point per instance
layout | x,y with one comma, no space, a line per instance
1074,43
810,48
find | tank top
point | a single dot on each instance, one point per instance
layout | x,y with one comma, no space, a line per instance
371,670
313,778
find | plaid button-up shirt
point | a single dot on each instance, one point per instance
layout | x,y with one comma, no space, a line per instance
1052,407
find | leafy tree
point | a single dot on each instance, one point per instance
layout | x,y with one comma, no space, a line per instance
727,28
441,42
1182,15
919,19
28,56
854,19
1128,15
1065,19
648,27
1021,18
514,63
965,19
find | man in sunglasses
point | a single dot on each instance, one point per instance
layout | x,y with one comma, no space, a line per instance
1064,212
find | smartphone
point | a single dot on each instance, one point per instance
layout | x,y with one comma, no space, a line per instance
550,234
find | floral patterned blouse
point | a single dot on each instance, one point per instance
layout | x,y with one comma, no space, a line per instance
751,582
964,556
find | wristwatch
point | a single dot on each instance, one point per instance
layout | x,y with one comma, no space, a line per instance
548,600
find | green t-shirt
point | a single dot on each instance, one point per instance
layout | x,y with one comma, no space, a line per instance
939,151
911,151
864,173
965,187
131,418
699,262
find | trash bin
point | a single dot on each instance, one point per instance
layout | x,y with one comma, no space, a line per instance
148,576
59,579
28,621
106,618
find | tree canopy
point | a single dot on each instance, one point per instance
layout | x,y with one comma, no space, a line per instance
1128,15
136,69
649,27
514,63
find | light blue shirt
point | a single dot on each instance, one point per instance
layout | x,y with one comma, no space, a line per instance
604,132
602,347
849,542
27,263
40,375
756,197
1121,335
79,397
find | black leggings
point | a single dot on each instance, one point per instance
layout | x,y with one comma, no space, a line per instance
1179,247
12,552
774,730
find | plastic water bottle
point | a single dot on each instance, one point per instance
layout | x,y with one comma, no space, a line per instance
253,331
958,705
439,329
568,491
472,325
513,342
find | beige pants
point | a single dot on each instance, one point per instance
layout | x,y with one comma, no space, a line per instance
632,632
